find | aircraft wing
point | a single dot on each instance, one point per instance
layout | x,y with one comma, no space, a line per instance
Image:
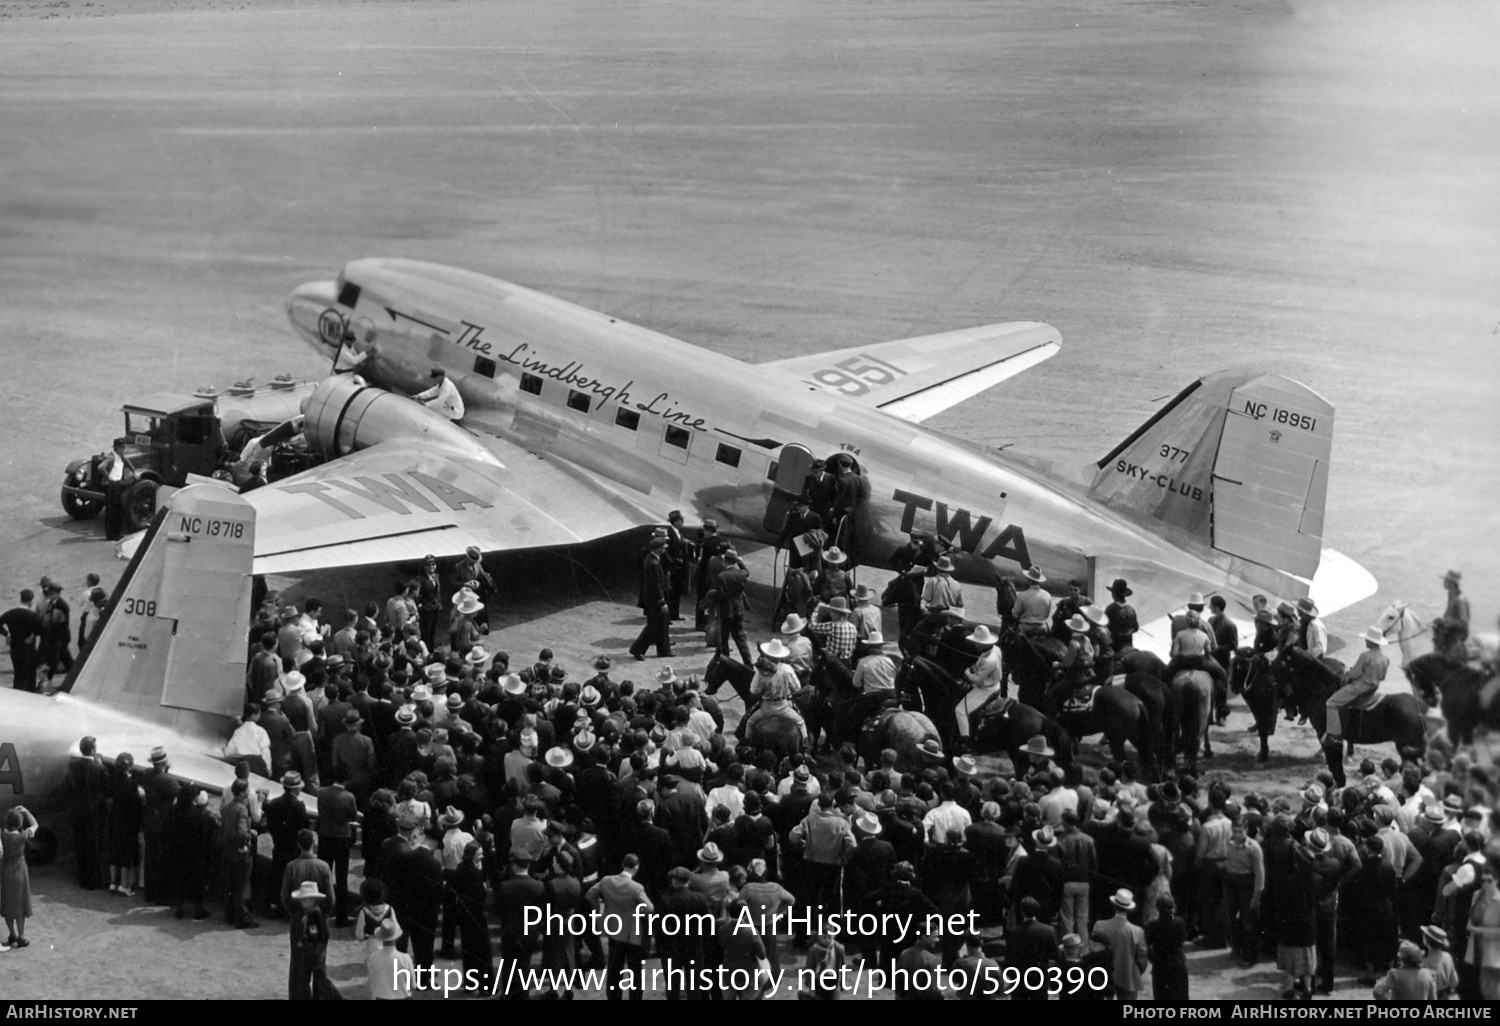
402,499
917,378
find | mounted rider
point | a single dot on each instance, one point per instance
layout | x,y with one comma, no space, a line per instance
798,644
775,683
1076,668
1360,680
874,679
1104,649
1192,644
1121,616
1033,608
983,677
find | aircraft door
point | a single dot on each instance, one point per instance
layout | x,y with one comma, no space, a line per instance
792,467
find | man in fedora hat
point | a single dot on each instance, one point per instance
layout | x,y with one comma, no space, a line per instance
1360,680
800,520
793,636
983,677
286,817
728,597
161,792
338,811
839,635
1077,664
819,488
678,557
940,592
306,970
1126,945
1312,636
1456,611
652,600
1120,616
1033,608
866,615
833,580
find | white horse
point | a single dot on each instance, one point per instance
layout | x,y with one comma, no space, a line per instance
1403,623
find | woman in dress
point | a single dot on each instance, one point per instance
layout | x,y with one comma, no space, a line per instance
127,800
15,880
1484,932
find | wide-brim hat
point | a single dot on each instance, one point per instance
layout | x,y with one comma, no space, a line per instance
1044,838
477,656
1373,636
965,765
943,565
421,693
584,740
406,716
455,701
1169,793
984,636
868,822
307,889
1119,587
1453,575
1313,794
590,696
435,673
875,641
1038,746
793,624
1318,841
1453,805
603,663
1095,615
294,681
1196,599
272,697
1077,624
834,555
931,746
1307,607
864,593
451,818
1122,899
1034,574
1436,934
1285,608
775,649
513,685
470,605
710,853
666,675
559,757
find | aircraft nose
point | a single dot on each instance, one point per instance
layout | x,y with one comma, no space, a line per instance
313,310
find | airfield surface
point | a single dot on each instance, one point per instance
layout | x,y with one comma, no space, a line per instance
1177,187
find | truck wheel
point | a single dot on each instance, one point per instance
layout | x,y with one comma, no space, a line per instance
80,508
140,505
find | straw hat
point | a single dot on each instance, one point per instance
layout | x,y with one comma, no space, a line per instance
1035,576
793,624
470,604
559,757
666,676
868,823
1037,747
984,636
514,685
1095,615
834,556
294,681
1077,624
1195,600
944,565
590,696
965,766
710,853
864,593
775,649
477,656
307,889
1122,899
1307,607
450,818
406,716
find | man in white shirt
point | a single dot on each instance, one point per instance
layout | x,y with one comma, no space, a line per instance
442,396
949,815
250,742
941,593
866,615
1033,608
798,644
390,970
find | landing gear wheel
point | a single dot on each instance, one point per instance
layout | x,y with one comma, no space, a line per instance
140,505
80,508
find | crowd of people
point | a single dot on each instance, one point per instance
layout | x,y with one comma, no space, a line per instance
463,789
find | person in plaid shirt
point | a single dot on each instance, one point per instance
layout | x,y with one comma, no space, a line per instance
833,626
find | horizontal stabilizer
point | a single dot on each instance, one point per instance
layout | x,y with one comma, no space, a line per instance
917,378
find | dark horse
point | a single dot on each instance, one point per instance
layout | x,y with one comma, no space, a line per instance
1191,694
943,638
1250,675
1456,687
1396,718
1001,726
1030,659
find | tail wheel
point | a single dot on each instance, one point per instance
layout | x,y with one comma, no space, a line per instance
140,504
80,508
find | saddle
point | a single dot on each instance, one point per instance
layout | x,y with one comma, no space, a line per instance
1080,701
995,705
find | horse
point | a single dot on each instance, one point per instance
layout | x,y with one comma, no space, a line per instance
1030,659
943,638
1120,717
724,670
833,690
1250,675
1400,621
1396,718
1005,725
906,733
1191,694
1459,690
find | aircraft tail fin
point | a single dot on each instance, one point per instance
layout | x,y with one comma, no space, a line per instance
1238,461
174,632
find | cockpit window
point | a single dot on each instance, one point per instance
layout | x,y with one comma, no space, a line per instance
140,424
348,294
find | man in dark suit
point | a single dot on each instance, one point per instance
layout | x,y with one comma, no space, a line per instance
88,781
337,813
513,897
354,758
799,521
279,729
729,587
417,876
679,557
286,818
161,793
710,545
652,846
1040,876
1030,943
869,867
653,602
819,488
683,813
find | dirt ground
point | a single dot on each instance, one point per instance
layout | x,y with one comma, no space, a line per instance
1177,187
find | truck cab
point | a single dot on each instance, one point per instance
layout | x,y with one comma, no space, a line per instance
169,436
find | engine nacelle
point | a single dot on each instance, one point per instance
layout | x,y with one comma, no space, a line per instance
344,415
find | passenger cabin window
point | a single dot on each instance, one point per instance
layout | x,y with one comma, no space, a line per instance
531,383
349,294
484,365
627,419
771,471
578,401
679,437
728,455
